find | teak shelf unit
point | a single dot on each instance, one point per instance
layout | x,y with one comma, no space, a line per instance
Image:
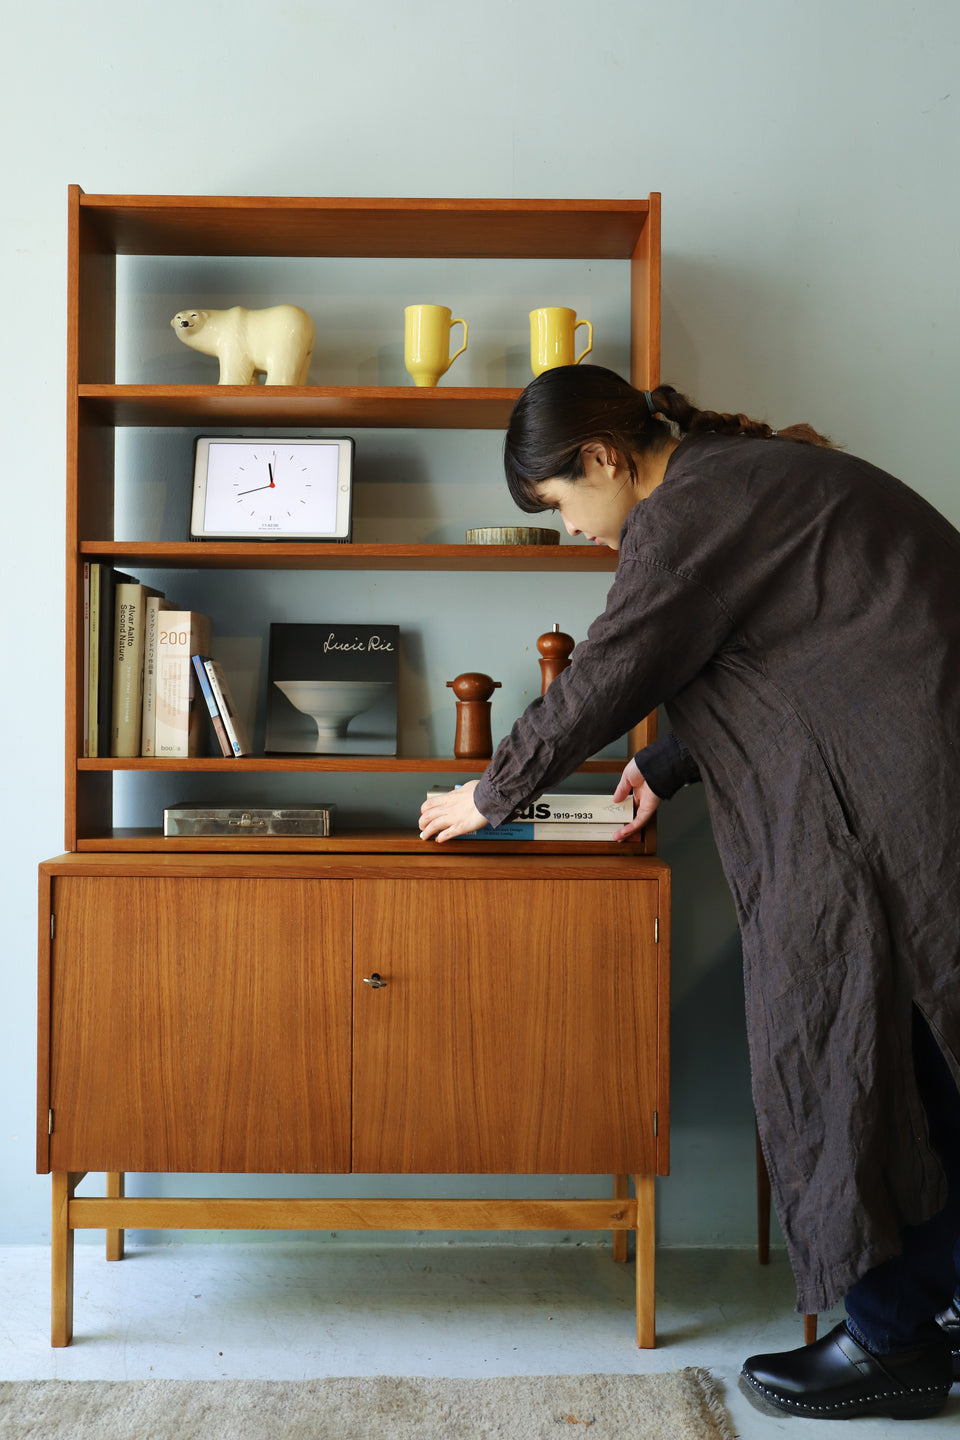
226,979
105,226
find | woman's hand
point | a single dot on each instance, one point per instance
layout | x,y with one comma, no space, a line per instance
442,817
644,799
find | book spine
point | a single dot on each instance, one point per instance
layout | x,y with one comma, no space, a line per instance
559,809
180,728
218,728
109,580
532,830
148,723
576,809
85,735
148,740
236,733
93,699
127,670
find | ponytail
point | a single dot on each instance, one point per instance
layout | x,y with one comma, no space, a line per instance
571,406
675,407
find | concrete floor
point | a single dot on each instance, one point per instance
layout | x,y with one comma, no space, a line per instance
292,1309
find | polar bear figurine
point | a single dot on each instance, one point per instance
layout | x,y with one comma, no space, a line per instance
276,342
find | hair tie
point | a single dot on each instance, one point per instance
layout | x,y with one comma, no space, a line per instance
648,396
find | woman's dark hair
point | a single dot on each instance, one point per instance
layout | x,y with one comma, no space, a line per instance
574,405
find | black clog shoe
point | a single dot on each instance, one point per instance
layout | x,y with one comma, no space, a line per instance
949,1323
837,1379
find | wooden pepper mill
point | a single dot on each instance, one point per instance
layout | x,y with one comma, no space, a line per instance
473,740
555,648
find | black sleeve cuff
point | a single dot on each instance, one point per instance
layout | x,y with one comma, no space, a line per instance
667,766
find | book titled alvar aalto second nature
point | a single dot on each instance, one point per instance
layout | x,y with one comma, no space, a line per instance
128,650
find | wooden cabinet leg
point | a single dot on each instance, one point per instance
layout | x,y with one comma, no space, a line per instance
646,1239
621,1191
61,1257
809,1329
115,1191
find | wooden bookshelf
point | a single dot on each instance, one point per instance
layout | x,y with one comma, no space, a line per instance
206,1005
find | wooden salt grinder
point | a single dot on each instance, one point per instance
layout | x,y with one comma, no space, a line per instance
555,648
473,740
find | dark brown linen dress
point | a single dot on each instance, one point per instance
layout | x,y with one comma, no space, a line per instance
798,613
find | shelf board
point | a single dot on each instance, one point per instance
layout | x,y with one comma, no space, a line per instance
394,407
294,555
357,842
342,764
378,227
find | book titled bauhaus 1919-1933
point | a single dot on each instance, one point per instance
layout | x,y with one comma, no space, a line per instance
558,817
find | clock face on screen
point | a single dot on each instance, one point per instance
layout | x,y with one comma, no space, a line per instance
272,488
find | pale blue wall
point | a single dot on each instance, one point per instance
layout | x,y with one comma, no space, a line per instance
807,154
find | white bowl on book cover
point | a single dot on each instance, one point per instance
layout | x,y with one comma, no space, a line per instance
332,704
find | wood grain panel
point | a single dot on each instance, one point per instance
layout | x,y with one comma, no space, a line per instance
201,1025
91,344
44,908
308,225
91,299
347,842
645,303
172,1213
294,555
341,764
444,408
436,863
517,1026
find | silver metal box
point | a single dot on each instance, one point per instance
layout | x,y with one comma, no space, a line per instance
246,820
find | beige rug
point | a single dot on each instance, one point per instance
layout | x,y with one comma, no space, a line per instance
683,1405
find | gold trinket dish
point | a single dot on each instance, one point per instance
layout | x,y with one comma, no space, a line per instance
512,535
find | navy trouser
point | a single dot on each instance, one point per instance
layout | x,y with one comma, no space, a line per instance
893,1306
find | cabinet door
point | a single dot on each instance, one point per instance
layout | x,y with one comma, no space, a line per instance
201,1024
516,1030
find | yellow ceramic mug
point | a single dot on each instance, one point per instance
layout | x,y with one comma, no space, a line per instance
552,332
426,342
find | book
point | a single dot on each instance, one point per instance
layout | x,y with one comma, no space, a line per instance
232,724
213,709
577,809
128,642
180,728
559,809
148,739
332,689
93,649
548,830
109,580
85,734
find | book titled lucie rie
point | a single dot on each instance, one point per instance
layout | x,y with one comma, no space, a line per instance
332,689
